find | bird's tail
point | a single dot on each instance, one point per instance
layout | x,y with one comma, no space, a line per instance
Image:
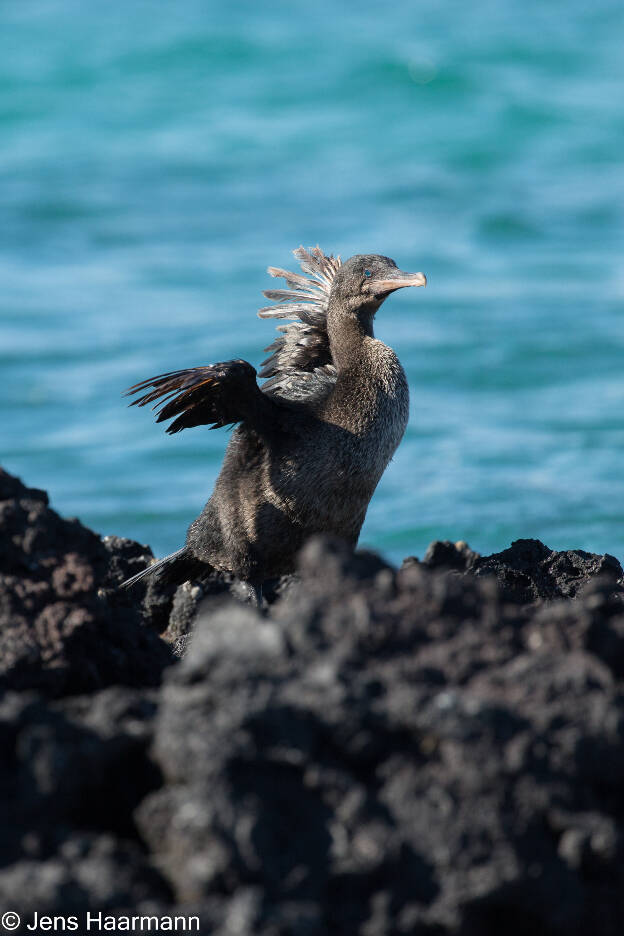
174,569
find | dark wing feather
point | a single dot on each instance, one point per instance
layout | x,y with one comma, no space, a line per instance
300,365
214,395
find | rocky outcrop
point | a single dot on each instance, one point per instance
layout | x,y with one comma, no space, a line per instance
63,627
433,750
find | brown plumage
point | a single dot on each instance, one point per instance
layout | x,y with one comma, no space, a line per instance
313,442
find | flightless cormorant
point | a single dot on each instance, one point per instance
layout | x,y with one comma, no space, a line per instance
313,442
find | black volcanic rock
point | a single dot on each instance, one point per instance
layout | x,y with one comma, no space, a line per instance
528,570
63,628
396,753
72,774
437,750
442,554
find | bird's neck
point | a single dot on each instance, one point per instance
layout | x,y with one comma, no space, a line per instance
347,335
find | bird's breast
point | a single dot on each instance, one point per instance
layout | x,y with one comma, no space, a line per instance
371,406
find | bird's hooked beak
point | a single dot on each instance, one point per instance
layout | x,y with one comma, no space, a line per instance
396,280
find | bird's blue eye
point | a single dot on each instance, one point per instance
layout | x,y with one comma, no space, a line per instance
367,273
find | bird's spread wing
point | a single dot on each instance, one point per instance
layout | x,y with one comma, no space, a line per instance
300,365
214,395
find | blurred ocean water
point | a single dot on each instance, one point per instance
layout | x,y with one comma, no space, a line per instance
155,158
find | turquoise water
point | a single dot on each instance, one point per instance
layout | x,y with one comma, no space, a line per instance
155,158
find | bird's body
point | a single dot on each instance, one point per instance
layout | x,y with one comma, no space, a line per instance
316,474
312,445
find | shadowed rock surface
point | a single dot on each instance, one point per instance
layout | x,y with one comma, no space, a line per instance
434,750
63,628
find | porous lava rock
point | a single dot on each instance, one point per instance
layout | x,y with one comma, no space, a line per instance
437,750
73,771
63,627
528,570
396,753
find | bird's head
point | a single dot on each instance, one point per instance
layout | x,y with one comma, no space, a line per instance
363,282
